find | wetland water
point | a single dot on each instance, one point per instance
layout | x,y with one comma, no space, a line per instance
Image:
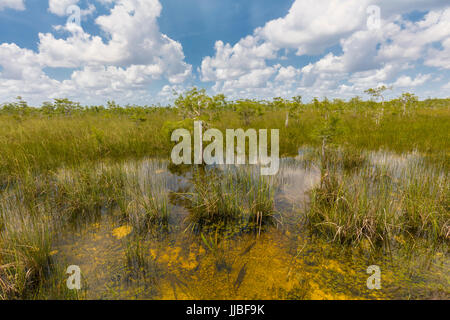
280,260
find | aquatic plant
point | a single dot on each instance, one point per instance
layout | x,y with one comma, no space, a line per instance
227,197
25,252
377,203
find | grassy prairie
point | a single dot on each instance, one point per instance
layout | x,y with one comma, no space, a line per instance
33,141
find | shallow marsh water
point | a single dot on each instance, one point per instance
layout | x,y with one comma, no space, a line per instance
281,261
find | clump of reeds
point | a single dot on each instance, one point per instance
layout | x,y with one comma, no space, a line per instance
85,191
226,197
339,158
425,200
146,197
214,199
25,251
378,203
352,158
346,210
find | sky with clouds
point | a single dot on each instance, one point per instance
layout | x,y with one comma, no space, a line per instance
141,51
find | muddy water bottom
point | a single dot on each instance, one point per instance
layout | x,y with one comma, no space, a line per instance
280,262
274,265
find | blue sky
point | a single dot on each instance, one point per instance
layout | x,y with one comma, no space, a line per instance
141,51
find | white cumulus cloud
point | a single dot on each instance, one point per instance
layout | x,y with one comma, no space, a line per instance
59,7
12,4
368,57
131,55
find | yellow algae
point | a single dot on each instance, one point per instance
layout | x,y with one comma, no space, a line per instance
266,271
96,225
333,265
176,251
201,251
153,254
274,265
190,263
316,292
122,232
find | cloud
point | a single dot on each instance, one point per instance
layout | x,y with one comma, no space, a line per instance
12,4
311,26
439,57
256,78
116,78
24,77
27,63
409,41
319,48
169,92
287,74
133,54
133,38
406,81
232,62
390,7
369,56
59,7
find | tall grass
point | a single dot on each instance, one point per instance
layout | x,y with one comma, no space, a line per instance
425,200
379,202
229,197
34,209
34,143
146,198
27,268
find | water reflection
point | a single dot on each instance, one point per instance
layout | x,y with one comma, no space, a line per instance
282,262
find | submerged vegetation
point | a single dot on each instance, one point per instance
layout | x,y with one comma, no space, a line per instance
356,175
